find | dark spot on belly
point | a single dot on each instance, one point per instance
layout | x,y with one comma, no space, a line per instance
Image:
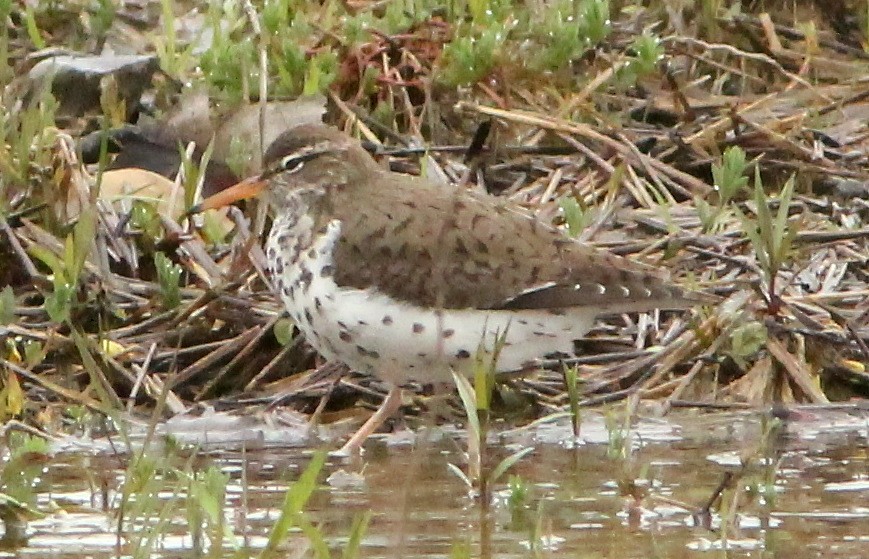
544,334
401,226
448,333
463,354
418,328
330,347
345,336
387,320
367,353
327,271
305,278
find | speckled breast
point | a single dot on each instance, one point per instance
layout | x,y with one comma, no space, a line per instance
395,340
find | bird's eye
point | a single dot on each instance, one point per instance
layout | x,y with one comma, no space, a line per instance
292,163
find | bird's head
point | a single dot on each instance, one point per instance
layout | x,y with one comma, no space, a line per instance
311,157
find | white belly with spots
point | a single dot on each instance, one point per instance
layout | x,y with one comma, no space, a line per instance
376,334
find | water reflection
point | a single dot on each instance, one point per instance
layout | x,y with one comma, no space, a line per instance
801,490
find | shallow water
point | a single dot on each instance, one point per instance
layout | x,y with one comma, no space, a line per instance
807,488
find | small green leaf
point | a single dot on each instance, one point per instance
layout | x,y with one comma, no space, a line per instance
571,378
649,52
507,463
729,177
83,235
469,402
34,353
479,10
519,491
283,331
7,305
576,218
58,304
461,475
783,234
213,228
747,339
32,28
294,502
357,533
69,259
144,216
315,537
168,276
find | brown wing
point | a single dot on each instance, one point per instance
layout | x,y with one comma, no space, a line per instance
445,247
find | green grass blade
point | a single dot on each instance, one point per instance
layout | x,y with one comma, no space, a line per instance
294,501
507,463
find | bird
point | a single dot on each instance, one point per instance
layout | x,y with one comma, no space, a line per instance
406,279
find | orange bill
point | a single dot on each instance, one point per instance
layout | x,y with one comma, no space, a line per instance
248,188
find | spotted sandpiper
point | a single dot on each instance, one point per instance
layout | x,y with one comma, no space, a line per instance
406,279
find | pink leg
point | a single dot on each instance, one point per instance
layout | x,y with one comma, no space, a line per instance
389,406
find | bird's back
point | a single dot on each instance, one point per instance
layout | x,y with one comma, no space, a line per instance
446,247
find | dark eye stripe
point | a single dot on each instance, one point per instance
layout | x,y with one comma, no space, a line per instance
291,163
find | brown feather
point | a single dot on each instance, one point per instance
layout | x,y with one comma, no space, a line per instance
440,246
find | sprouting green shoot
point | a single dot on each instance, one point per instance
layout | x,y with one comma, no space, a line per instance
169,278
